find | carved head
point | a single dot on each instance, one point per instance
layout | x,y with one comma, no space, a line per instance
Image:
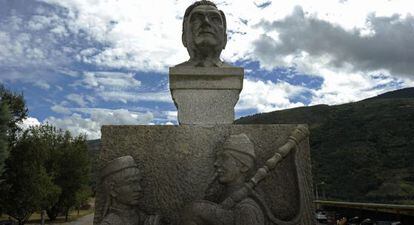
235,162
204,30
121,178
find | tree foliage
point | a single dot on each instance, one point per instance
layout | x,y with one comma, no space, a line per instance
47,169
4,146
12,111
18,111
71,166
27,186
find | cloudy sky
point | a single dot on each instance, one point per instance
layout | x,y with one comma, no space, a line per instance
84,63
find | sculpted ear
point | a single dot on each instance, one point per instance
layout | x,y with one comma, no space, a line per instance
244,168
111,189
184,40
184,35
225,40
223,17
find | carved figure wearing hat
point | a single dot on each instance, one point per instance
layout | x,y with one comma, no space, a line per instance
204,34
121,179
234,165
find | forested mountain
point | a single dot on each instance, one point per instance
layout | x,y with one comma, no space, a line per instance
361,151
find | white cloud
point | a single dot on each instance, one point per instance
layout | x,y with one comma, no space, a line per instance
132,36
78,99
91,125
109,80
28,122
140,39
301,37
60,109
343,87
137,38
171,115
77,125
268,96
125,97
23,48
42,85
33,45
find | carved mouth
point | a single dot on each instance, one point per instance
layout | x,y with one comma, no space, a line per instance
207,32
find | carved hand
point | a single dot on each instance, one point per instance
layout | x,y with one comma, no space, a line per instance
153,220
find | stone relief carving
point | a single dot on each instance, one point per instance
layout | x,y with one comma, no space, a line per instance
121,180
240,203
195,173
204,35
233,166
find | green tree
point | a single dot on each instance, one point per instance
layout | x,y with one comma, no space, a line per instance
47,169
18,110
72,169
12,111
27,186
4,145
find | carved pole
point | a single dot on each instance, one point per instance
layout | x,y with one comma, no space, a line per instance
298,135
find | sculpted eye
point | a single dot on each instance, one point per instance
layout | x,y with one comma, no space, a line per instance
196,17
216,19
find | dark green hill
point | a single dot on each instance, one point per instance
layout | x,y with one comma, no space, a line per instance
362,151
402,93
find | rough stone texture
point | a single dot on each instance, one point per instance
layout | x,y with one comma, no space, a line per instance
206,95
177,166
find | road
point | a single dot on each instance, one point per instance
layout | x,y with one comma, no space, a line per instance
86,220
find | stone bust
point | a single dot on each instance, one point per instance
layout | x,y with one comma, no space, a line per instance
204,35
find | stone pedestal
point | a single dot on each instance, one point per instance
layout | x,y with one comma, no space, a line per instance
206,95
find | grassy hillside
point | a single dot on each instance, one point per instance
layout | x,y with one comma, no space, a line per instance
362,151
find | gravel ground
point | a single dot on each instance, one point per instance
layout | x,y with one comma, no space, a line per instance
86,220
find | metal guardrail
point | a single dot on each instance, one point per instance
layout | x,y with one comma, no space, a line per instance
387,208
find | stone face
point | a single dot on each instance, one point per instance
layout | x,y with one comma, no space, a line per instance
204,35
177,166
206,95
120,179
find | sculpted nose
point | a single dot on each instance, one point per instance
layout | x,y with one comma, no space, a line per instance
206,20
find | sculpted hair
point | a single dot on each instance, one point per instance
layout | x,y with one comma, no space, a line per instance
195,4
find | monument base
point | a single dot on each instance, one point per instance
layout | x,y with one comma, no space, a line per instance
206,95
177,166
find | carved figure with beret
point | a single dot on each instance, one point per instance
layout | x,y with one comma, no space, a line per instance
204,35
121,179
234,165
